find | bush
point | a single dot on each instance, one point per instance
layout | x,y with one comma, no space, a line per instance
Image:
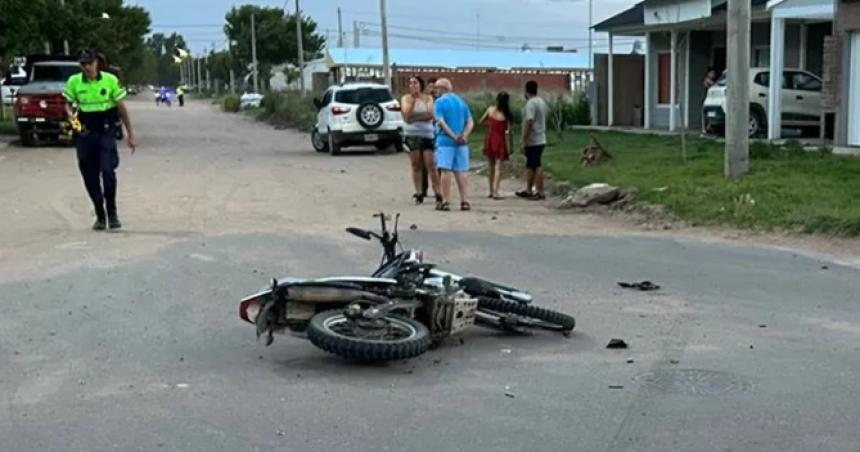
563,111
231,104
289,109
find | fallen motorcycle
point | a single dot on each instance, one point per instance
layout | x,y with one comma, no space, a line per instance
398,312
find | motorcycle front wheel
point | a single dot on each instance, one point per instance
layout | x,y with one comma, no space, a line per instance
525,317
389,338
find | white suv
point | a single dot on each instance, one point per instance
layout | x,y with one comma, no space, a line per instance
801,108
357,114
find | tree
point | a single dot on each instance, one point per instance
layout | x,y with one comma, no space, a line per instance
276,37
163,48
29,26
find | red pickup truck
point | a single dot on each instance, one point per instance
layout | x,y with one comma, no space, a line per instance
40,109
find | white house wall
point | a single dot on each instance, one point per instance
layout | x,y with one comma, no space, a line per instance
674,11
702,47
660,42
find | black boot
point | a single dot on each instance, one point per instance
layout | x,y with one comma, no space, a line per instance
113,220
99,225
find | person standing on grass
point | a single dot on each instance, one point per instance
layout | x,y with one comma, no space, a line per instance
499,120
710,80
454,126
417,109
534,142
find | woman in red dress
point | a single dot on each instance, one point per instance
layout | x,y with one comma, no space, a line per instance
499,120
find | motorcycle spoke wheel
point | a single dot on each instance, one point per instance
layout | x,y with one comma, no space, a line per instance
385,339
509,315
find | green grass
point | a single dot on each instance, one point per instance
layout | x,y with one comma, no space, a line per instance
7,125
787,188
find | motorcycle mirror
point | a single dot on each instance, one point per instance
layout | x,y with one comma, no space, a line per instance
359,233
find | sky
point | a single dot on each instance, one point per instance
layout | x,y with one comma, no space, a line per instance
454,24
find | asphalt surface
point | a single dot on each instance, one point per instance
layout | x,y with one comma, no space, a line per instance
745,348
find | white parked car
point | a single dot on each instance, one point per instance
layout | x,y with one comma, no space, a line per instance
250,100
357,114
10,84
801,108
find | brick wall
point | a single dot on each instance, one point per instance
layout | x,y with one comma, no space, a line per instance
831,70
848,16
835,111
465,82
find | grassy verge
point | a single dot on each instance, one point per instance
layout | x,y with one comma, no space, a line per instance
288,109
7,125
787,188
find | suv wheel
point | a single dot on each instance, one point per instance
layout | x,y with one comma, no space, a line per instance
755,123
370,116
317,141
333,147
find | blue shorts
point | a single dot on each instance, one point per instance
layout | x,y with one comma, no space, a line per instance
453,158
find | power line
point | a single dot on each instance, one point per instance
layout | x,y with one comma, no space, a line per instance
467,43
473,37
470,40
187,25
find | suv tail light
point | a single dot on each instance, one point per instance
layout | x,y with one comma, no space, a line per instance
340,110
393,107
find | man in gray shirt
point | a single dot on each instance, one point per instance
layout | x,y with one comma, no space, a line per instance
534,141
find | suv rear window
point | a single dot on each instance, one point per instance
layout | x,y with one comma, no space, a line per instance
48,73
363,95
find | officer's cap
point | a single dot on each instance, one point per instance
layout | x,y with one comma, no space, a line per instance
87,55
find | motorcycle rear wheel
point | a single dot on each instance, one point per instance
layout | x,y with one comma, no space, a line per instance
535,317
400,338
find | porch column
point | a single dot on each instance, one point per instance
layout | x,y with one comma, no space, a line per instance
647,107
804,30
611,88
673,84
777,65
687,81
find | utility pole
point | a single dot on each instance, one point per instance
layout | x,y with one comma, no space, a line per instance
65,40
199,74
189,70
254,52
339,29
737,160
208,81
301,47
386,65
590,42
356,35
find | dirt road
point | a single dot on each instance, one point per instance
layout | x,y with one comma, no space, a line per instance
131,340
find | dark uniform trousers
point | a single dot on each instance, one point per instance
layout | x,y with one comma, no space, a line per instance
98,159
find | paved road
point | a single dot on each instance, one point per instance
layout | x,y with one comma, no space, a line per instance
131,341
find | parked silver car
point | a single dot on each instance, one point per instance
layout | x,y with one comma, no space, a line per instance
801,108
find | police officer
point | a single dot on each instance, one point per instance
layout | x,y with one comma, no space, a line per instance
95,93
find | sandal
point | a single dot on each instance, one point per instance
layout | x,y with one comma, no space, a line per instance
443,206
538,197
524,194
465,206
419,198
